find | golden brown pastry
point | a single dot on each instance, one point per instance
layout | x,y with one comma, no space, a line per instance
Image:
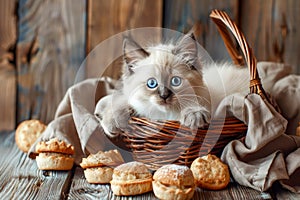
98,168
210,172
54,155
27,133
173,182
131,179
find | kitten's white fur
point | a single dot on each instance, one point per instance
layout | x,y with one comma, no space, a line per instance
223,79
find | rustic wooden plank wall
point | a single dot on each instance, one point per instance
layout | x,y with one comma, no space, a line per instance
107,18
43,44
182,15
50,50
272,29
270,26
8,37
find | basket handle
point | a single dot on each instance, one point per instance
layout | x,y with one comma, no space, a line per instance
223,22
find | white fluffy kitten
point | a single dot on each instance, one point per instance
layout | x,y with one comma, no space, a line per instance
168,82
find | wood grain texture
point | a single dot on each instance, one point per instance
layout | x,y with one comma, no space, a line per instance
233,191
8,37
272,29
21,179
107,18
182,15
81,189
50,50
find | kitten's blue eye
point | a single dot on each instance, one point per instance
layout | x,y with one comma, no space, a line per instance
152,83
175,81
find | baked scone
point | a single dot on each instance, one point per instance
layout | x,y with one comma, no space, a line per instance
173,182
98,168
210,172
131,178
54,155
98,175
27,133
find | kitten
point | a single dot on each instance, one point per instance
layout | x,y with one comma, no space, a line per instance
168,82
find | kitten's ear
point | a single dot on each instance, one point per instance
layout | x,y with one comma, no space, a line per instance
133,52
187,48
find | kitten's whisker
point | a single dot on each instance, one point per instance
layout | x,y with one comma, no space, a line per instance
178,107
187,104
189,95
191,104
199,98
192,87
187,99
193,97
184,101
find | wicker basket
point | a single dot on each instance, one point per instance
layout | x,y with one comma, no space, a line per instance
157,143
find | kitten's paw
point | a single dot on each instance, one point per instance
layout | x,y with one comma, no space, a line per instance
110,128
195,117
107,123
114,122
113,119
122,117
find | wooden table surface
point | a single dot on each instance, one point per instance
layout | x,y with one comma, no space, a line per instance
21,179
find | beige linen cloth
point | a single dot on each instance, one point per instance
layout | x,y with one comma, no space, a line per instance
75,123
286,92
266,156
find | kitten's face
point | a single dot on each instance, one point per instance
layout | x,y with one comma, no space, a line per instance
159,82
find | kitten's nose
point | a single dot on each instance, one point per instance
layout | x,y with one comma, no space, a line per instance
164,92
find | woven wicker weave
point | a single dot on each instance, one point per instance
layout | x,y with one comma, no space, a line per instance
157,143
